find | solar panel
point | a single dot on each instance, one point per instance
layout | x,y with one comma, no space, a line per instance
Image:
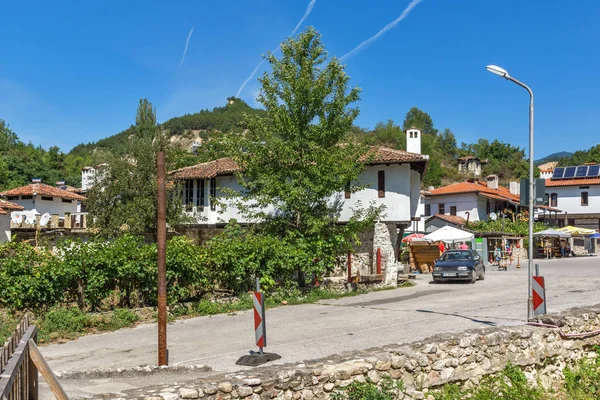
581,171
558,173
593,171
569,172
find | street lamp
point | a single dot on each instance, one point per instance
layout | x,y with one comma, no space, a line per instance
504,74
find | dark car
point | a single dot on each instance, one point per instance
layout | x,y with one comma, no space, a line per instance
459,265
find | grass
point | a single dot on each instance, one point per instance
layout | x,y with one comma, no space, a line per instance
67,323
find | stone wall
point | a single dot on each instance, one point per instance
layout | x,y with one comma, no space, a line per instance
464,357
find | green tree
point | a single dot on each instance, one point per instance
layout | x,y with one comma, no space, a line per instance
448,143
420,120
124,197
293,157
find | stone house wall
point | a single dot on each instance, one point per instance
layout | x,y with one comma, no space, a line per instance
464,358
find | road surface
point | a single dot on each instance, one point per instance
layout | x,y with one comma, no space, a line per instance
332,326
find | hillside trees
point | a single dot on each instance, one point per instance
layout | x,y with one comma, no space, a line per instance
124,197
293,158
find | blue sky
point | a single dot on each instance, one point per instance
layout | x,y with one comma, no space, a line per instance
73,72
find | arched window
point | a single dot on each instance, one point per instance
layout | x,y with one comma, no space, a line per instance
554,200
584,198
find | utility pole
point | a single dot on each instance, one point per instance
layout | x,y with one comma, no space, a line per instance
161,238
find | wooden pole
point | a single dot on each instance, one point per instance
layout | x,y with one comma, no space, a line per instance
45,371
161,239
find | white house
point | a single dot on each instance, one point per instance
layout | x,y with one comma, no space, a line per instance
472,200
576,191
392,178
88,176
6,208
547,169
40,198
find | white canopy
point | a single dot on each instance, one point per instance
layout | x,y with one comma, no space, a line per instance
552,233
448,234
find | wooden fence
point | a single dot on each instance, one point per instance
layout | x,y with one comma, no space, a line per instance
20,361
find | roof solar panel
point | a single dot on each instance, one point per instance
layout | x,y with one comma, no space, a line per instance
558,173
593,171
569,172
581,171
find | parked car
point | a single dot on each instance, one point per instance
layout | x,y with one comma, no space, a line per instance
459,265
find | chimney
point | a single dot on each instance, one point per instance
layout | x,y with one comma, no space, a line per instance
492,182
36,180
515,188
413,140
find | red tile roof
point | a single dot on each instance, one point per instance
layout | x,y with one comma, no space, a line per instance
227,166
7,205
478,187
43,190
455,219
572,182
207,170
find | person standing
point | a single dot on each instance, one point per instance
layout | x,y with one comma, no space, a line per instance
563,245
463,246
441,247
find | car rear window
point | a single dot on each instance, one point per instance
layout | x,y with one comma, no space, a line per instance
456,255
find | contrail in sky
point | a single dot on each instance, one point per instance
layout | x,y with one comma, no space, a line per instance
187,42
311,5
386,28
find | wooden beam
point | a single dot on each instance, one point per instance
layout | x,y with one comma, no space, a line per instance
46,372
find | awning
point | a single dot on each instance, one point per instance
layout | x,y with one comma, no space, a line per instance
573,230
552,233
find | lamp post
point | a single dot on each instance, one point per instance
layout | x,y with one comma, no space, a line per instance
504,74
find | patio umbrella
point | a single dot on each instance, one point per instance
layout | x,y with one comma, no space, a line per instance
552,233
448,234
412,236
595,236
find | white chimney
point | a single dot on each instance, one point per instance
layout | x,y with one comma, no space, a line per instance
515,188
413,140
492,182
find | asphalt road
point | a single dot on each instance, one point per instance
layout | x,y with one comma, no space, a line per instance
314,331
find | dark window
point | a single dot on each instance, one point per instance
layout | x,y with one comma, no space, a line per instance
441,209
347,192
200,193
381,183
547,199
453,210
67,201
427,210
488,208
48,198
27,197
213,194
12,198
189,193
584,198
554,200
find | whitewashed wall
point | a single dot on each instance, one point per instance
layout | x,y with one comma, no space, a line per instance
464,202
401,185
569,199
5,228
56,206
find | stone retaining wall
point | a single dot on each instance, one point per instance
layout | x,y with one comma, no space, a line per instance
464,357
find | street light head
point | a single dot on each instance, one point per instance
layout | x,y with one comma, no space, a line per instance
494,69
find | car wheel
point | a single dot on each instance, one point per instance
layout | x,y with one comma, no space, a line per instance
482,276
473,277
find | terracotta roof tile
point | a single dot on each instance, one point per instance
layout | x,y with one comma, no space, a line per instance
475,187
207,170
7,205
378,155
43,190
572,182
455,219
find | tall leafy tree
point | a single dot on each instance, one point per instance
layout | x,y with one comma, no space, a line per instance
124,197
294,160
420,120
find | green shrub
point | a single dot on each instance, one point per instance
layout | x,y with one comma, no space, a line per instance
62,322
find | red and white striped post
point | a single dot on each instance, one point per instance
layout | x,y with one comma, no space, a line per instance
260,332
538,292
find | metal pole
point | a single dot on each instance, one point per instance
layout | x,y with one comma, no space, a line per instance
531,194
262,301
161,238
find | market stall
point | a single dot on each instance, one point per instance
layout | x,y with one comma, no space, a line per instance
424,251
551,243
